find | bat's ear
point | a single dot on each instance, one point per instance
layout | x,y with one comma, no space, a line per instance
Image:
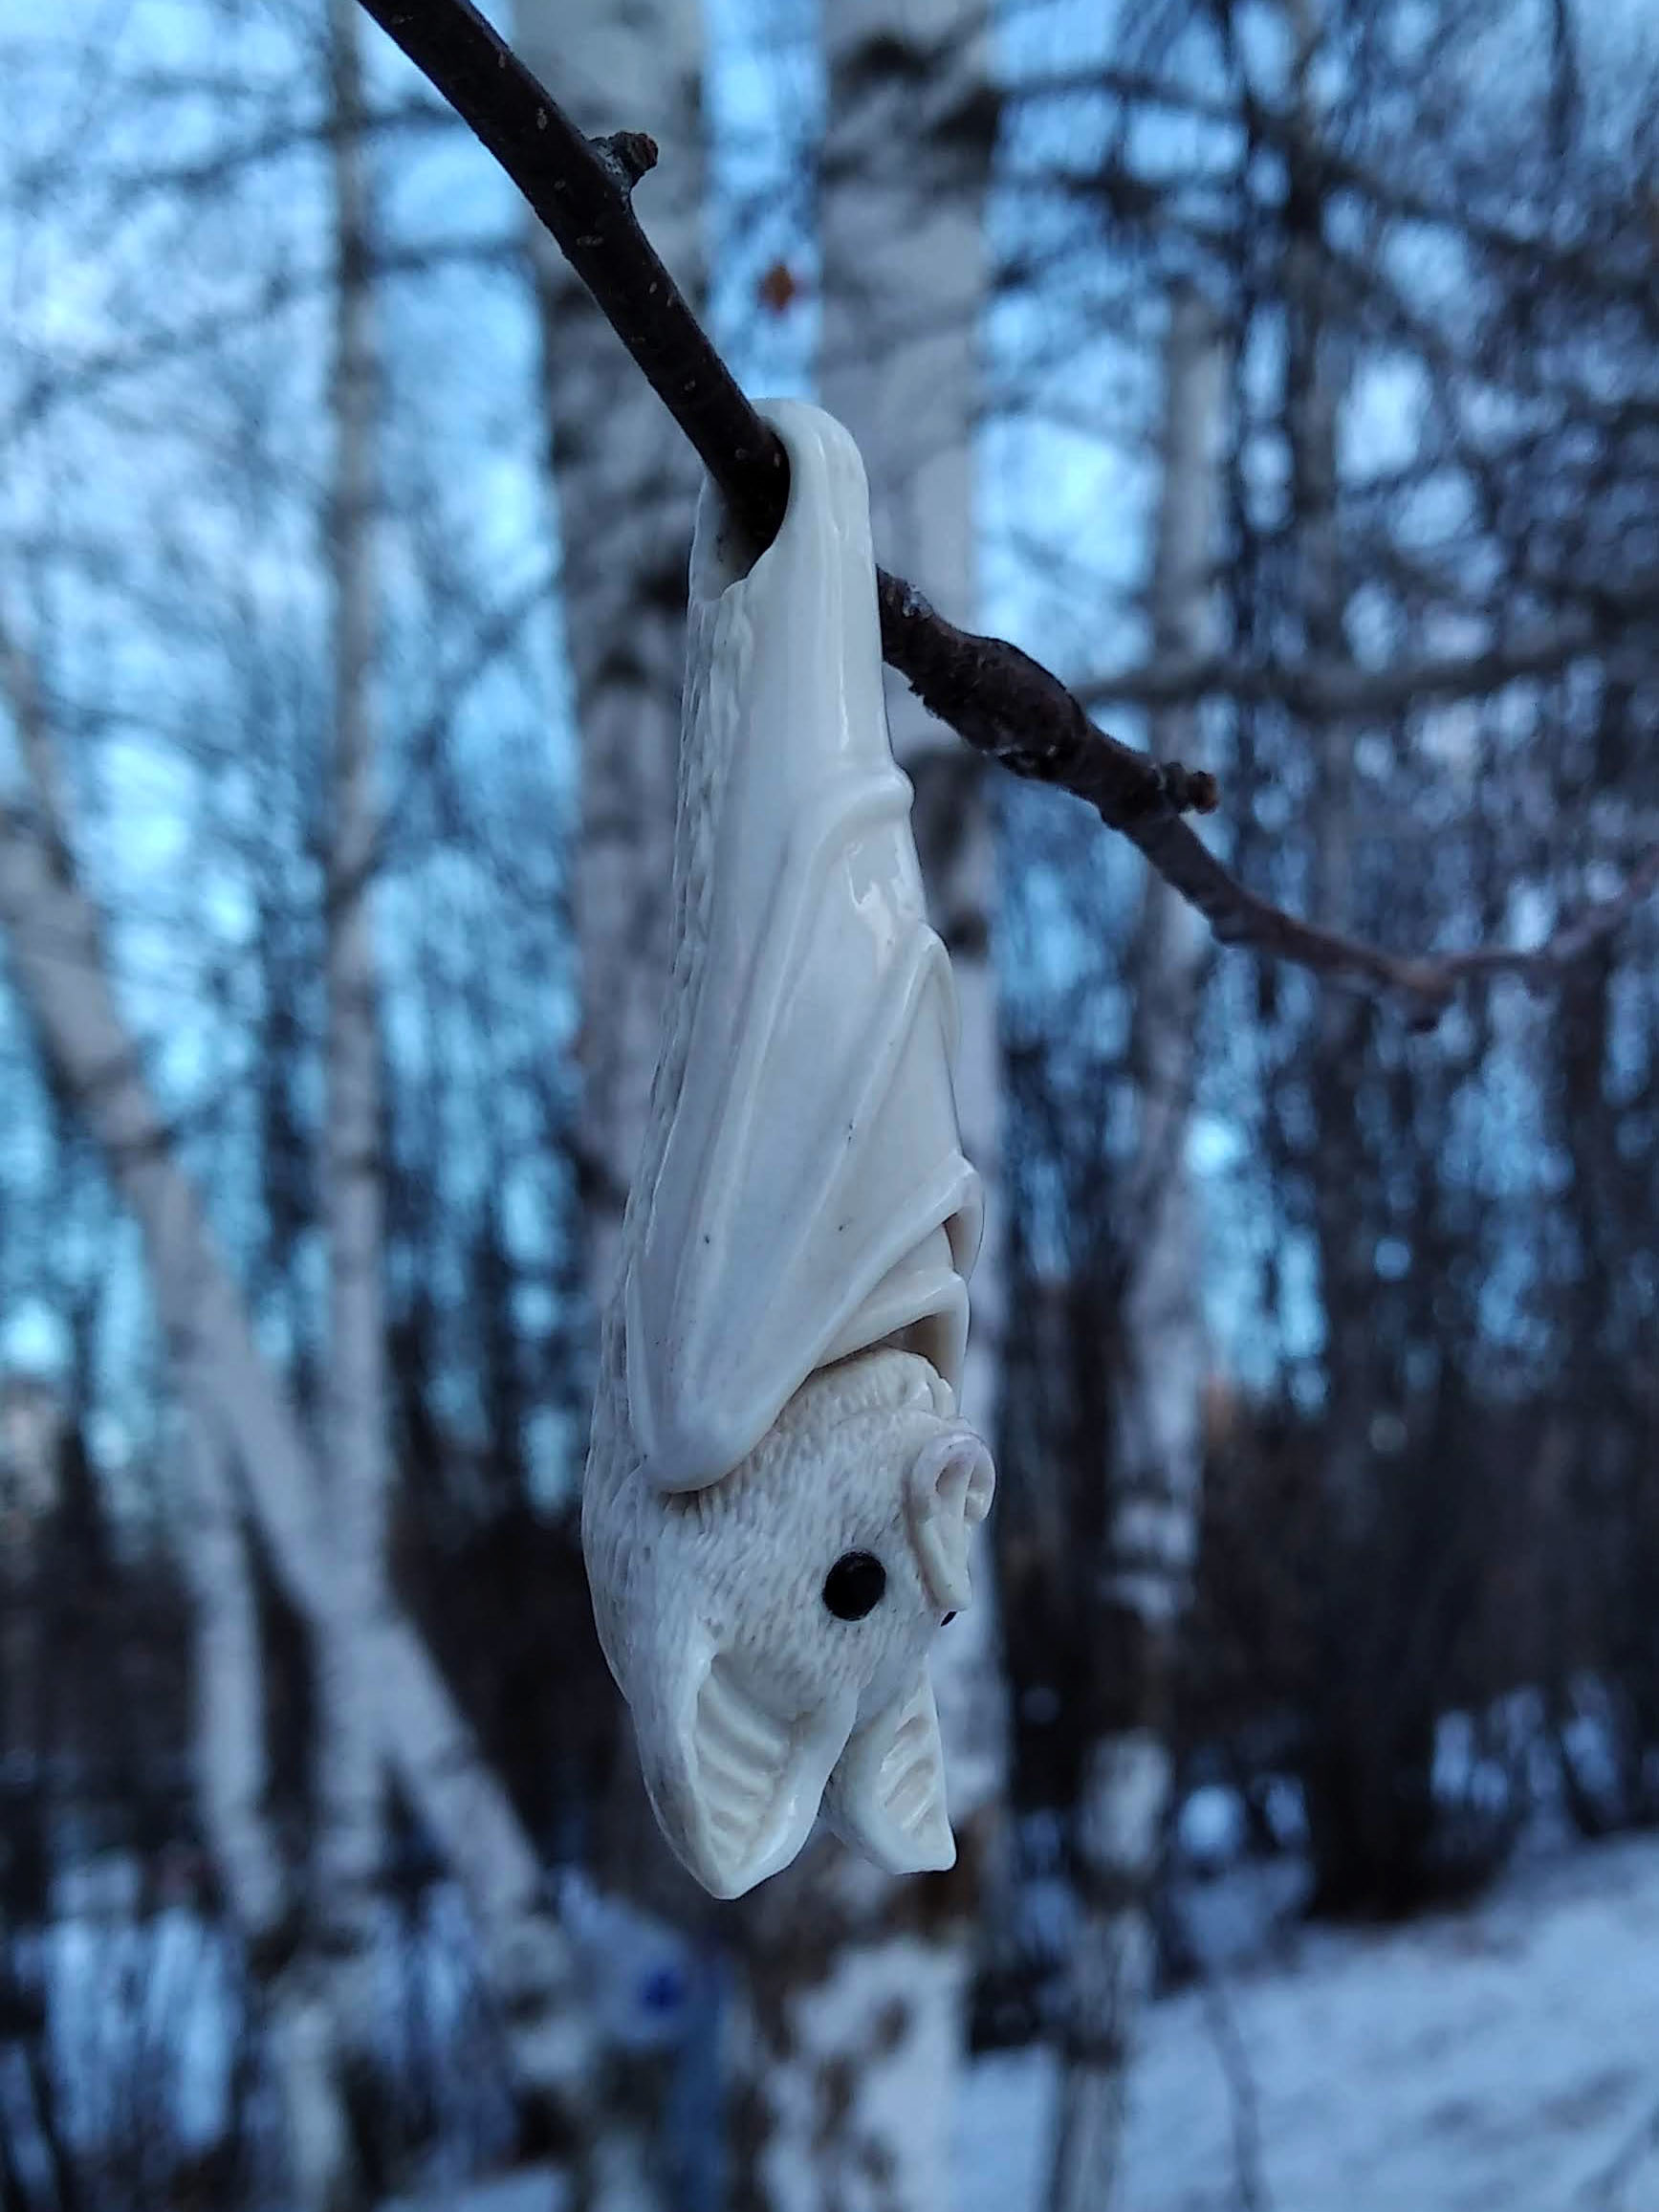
736,1788
887,1795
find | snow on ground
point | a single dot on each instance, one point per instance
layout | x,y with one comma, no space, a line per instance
1504,2058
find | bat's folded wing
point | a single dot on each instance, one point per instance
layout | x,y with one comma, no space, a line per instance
809,1196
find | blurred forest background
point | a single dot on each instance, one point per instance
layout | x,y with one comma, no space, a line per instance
1286,374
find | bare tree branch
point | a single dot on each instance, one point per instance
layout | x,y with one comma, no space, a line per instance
1342,688
995,696
53,384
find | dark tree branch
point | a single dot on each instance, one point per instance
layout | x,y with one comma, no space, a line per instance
1346,688
995,696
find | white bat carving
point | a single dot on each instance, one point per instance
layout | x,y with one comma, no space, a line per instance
779,1495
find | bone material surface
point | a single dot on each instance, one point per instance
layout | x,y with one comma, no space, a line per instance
780,1494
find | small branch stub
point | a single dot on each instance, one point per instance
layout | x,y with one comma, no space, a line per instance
629,155
1190,790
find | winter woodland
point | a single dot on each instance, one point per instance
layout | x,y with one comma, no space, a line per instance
1284,376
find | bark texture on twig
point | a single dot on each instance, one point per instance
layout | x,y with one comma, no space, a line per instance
996,697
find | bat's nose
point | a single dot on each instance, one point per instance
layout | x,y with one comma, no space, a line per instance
950,1487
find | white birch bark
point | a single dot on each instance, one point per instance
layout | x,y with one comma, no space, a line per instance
847,2054
856,1987
59,963
229,1736
347,1839
232,1779
1156,1443
625,483
230,1733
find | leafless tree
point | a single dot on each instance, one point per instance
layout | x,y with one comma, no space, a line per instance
1155,1362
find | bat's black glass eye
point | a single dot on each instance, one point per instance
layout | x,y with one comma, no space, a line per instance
853,1586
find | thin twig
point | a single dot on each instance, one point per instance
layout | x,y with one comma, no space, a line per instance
996,697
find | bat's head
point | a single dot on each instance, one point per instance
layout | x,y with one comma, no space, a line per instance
773,1641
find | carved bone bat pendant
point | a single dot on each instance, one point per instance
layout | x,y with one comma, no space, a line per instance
779,1495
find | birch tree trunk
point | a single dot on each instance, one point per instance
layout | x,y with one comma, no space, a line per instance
856,1987
228,1737
1351,1778
625,482
231,1780
1141,1583
347,1840
60,968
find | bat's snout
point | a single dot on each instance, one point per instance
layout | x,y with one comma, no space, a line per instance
952,1483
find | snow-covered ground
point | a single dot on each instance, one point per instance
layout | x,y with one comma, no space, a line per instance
1503,2058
